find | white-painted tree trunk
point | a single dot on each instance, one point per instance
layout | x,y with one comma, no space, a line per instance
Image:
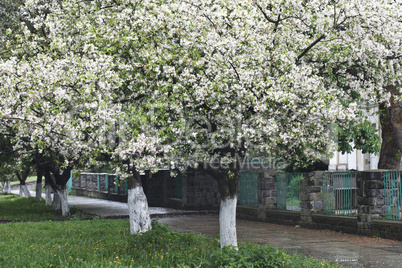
140,220
48,193
24,191
227,222
63,202
3,186
8,187
38,189
56,201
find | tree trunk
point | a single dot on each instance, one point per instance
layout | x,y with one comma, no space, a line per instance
140,220
24,191
227,222
38,197
228,188
48,193
8,187
62,201
391,127
56,201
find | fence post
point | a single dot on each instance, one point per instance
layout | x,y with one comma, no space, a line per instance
310,197
370,199
266,193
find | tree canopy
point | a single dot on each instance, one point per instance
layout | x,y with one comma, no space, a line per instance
189,82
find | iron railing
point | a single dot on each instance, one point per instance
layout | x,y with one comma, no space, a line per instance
339,193
248,193
100,182
288,191
392,195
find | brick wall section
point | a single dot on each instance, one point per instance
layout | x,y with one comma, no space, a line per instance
200,190
370,199
158,188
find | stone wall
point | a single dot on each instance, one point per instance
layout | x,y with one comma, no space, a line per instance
370,199
200,191
158,188
368,221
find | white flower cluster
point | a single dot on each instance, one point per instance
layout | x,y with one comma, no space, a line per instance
148,80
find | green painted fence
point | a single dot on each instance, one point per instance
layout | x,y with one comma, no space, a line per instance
288,191
339,193
392,195
248,193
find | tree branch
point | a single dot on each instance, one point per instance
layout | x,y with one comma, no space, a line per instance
310,47
265,14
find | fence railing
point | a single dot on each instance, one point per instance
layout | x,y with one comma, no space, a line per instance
392,195
248,193
101,182
288,191
339,193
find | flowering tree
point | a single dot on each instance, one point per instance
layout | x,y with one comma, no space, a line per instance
218,80
78,95
270,77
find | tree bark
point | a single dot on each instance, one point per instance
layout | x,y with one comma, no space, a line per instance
56,201
391,127
227,222
48,193
24,191
8,187
57,179
229,189
39,176
62,201
140,220
22,177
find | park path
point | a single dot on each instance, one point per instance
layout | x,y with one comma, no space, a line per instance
345,249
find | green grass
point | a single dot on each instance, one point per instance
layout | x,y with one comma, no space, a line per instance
14,207
108,243
31,178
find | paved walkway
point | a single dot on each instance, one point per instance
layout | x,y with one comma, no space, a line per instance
345,249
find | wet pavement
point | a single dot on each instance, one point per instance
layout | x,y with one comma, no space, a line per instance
345,249
106,208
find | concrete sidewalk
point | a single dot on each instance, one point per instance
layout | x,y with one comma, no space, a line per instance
106,208
111,209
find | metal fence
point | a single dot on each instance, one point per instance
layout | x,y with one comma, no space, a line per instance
392,195
339,193
288,191
248,193
101,182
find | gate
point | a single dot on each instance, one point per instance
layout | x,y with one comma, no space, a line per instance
393,195
248,192
339,193
288,191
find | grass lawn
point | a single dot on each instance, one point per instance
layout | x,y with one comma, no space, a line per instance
31,178
14,207
108,243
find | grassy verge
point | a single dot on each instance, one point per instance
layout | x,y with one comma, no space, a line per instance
14,207
107,243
